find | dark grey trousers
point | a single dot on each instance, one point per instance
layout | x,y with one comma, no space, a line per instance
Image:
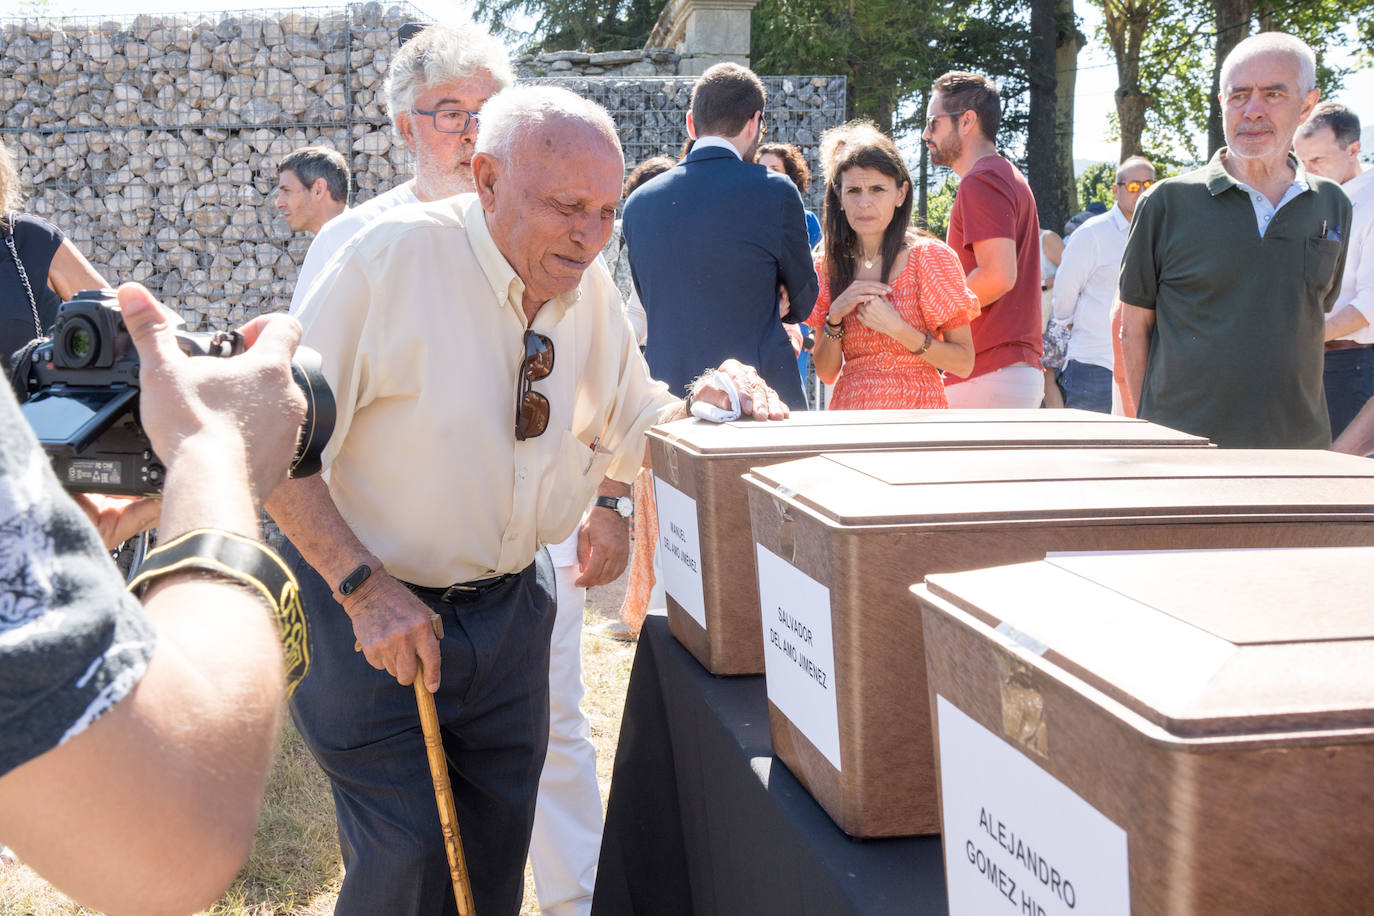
364,730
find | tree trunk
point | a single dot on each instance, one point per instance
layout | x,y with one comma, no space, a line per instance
923,172
1069,41
1233,26
1127,22
1042,152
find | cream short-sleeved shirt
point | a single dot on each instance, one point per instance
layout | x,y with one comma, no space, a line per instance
419,322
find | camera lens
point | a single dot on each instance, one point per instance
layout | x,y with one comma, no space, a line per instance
78,343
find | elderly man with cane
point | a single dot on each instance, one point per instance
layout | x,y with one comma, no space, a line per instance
433,322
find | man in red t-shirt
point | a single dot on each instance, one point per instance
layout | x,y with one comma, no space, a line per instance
994,228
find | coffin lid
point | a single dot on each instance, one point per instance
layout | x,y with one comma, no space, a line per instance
984,486
837,430
1204,643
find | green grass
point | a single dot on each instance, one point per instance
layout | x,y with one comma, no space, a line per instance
294,868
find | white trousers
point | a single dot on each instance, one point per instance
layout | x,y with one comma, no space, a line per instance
1019,385
567,816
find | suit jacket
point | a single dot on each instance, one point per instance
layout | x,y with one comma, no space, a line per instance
709,242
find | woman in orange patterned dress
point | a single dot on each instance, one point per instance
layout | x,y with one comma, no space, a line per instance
893,311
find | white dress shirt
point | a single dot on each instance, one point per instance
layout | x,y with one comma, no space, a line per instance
419,321
1085,286
340,229
705,142
1357,285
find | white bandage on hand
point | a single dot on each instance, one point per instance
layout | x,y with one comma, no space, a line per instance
704,411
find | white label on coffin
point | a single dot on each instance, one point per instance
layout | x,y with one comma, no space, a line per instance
1016,839
679,549
799,651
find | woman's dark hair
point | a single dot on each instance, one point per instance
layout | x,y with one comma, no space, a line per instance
841,242
647,169
793,163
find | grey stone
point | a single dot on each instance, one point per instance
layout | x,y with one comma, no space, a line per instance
571,57
608,58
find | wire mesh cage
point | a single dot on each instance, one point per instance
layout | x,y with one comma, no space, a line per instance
153,141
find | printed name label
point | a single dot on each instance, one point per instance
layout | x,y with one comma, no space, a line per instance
799,651
679,549
1017,840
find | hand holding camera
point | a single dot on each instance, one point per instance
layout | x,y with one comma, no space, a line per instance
80,390
247,403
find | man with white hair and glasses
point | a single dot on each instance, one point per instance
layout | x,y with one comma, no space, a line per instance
437,83
436,86
1230,269
433,322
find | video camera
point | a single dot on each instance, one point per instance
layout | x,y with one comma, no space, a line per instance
78,389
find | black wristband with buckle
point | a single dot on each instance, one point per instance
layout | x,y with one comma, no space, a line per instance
247,561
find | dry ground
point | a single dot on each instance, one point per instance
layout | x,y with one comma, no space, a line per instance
294,869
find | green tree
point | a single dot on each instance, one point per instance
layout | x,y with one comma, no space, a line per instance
560,25
1095,184
1320,23
938,205
891,50
1168,53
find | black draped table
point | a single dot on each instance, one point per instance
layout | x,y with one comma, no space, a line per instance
702,819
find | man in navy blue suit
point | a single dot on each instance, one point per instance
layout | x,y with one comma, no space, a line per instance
714,240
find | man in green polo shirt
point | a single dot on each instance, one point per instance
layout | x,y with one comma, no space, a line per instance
1229,270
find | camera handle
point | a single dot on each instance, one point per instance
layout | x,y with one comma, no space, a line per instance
20,364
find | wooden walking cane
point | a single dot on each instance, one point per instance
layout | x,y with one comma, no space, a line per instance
443,792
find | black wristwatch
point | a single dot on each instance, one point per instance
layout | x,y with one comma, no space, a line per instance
622,506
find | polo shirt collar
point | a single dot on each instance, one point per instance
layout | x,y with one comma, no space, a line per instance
506,285
1218,179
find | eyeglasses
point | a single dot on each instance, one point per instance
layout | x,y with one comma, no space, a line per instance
449,120
930,119
531,407
1134,186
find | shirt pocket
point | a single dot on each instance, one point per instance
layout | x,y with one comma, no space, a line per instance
569,489
1320,266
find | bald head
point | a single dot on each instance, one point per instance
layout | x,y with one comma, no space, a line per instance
514,117
548,170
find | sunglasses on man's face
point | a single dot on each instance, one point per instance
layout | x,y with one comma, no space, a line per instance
1133,187
531,407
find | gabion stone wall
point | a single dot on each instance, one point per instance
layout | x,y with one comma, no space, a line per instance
651,113
153,141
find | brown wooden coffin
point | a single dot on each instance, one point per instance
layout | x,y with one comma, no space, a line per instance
840,538
707,557
1171,733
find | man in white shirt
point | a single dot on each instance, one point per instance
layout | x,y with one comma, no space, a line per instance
312,188
430,322
1328,143
1085,288
436,85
